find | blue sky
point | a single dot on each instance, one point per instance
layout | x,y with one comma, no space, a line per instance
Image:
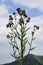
34,9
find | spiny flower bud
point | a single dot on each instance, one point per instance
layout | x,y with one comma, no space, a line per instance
21,21
28,20
34,25
8,36
18,9
10,24
14,13
7,25
24,13
37,27
10,17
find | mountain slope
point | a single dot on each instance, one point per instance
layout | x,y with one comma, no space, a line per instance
29,60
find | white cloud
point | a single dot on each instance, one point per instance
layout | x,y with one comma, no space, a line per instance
3,21
5,56
3,10
3,18
30,3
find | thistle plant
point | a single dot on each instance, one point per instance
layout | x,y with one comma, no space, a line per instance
14,34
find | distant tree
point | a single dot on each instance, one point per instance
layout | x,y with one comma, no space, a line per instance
16,34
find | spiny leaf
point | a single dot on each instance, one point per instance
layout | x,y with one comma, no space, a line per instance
10,43
29,43
17,36
10,33
15,47
33,38
25,42
32,48
12,55
24,34
25,39
17,32
26,29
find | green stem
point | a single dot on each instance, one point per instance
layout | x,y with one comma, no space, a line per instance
21,47
30,45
